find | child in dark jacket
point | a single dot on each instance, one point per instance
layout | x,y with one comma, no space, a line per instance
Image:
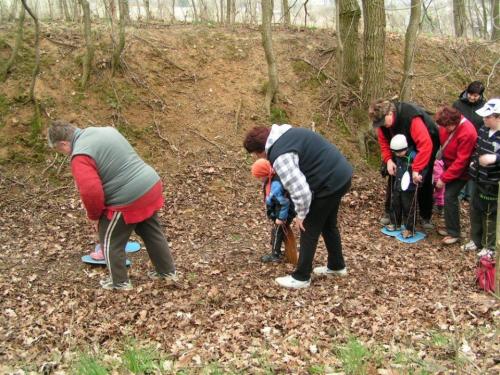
403,189
279,207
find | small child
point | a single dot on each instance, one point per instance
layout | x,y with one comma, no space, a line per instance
438,195
402,203
279,207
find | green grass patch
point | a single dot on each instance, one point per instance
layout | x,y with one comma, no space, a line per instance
354,357
88,364
140,360
278,116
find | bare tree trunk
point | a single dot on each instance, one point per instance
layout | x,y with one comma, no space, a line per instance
374,49
51,10
348,24
228,12
173,11
118,49
63,5
410,48
126,10
495,19
195,13
19,39
267,42
305,13
459,19
148,10
484,19
285,12
36,68
89,53
340,53
13,10
233,11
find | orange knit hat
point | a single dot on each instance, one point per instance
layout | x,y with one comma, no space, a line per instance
262,168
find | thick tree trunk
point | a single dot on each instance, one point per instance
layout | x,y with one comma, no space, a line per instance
89,53
348,21
495,19
410,48
17,44
285,12
13,10
374,49
228,12
63,6
484,21
195,13
267,42
118,48
36,68
148,10
173,11
126,10
459,18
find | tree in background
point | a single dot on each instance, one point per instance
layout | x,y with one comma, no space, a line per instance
495,19
410,48
148,10
374,49
15,50
118,47
349,14
267,42
89,52
36,68
459,19
285,13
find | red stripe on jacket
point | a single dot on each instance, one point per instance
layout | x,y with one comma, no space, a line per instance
89,185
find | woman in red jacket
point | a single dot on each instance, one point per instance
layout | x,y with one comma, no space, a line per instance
457,136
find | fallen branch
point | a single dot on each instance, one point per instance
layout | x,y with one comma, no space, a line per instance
208,140
57,42
491,73
237,117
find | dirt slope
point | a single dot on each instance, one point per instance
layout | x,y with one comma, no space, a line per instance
178,100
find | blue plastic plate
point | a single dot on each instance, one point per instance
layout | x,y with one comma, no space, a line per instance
415,238
87,259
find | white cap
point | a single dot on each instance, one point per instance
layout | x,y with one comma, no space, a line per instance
398,142
492,106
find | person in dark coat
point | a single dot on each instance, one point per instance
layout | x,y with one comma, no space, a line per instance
469,101
317,176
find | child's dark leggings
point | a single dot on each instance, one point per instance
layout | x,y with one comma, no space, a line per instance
403,209
277,237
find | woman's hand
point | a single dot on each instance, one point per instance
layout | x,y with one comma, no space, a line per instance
487,159
279,222
300,224
391,167
417,178
440,184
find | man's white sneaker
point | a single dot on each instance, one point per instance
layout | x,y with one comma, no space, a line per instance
325,271
290,282
469,246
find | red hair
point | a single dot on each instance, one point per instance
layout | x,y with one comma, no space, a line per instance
448,116
255,139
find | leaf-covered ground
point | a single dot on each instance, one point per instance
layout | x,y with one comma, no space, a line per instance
226,307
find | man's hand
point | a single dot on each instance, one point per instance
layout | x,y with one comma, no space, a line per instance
417,178
440,184
391,167
279,222
487,159
300,224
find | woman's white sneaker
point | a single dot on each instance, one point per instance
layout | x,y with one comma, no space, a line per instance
290,282
325,271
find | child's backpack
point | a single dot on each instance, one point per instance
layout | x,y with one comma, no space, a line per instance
485,273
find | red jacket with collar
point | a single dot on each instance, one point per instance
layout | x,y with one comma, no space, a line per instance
457,153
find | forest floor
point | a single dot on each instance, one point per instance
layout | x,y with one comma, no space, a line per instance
185,99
